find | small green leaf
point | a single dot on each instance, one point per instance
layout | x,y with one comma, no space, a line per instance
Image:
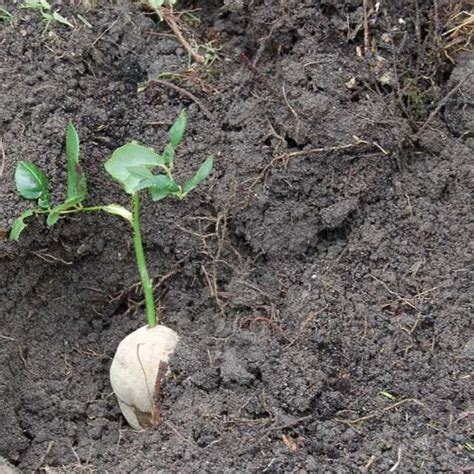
30,181
176,132
76,181
158,182
19,225
155,3
168,155
85,21
53,217
158,194
5,15
36,4
118,210
44,203
65,206
60,19
202,173
131,155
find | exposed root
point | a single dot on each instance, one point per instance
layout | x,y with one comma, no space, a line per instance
181,91
284,158
380,413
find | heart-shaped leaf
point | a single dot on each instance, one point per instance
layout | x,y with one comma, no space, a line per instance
176,132
202,173
76,181
19,225
31,182
128,156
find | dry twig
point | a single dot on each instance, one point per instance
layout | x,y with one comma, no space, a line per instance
442,102
181,91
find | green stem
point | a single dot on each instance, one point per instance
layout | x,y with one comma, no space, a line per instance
141,262
83,209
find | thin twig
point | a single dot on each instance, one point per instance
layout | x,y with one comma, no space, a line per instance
43,457
399,458
287,102
170,20
379,413
442,102
104,33
287,425
2,164
366,28
184,92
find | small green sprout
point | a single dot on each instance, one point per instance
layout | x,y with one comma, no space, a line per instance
388,395
5,15
46,12
133,166
32,184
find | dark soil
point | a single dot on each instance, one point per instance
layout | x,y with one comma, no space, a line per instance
322,296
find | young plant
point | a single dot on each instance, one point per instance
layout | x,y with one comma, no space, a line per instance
141,358
47,14
32,184
133,166
5,16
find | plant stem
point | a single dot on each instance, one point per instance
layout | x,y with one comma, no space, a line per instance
83,209
141,262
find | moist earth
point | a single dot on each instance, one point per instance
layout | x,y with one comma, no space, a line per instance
319,280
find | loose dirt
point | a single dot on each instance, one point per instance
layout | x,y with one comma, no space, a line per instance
319,280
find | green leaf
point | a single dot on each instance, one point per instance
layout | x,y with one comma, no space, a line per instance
65,206
140,172
31,182
36,4
60,19
158,182
176,132
5,15
76,181
85,21
202,173
131,155
168,155
19,225
158,194
118,210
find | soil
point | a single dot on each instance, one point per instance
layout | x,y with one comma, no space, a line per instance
319,280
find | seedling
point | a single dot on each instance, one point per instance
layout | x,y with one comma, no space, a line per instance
140,359
32,184
46,12
132,165
5,15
